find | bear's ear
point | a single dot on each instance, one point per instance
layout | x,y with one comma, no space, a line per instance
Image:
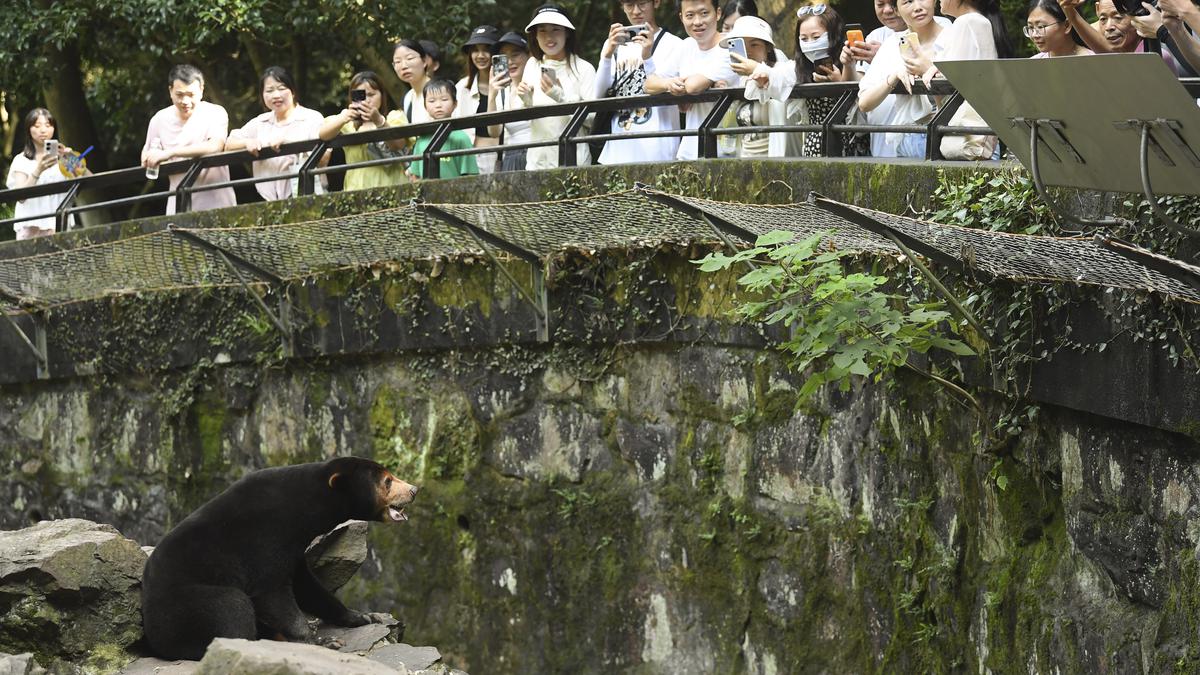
333,480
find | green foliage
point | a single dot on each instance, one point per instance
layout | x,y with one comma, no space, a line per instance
1005,201
844,324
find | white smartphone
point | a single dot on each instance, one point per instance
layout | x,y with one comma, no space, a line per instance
549,72
51,146
737,46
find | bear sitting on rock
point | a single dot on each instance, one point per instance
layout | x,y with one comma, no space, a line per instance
235,567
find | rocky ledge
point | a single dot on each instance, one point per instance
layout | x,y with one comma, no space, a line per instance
70,601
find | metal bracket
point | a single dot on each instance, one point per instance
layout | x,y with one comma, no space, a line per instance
305,181
567,154
831,141
723,228
62,214
1036,141
906,244
945,112
1170,128
706,140
37,345
431,168
183,191
1161,264
485,239
280,318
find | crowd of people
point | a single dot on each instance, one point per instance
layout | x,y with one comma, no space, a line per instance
726,46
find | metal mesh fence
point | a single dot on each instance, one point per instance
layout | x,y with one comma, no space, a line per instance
165,260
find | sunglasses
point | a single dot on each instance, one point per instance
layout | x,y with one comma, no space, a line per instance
811,10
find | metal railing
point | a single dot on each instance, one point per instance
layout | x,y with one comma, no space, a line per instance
707,133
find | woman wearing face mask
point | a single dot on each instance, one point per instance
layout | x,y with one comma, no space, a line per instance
285,121
822,57
768,83
368,110
473,91
554,75
414,67
502,94
900,60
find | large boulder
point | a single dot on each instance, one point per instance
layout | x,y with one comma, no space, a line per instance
19,664
336,556
69,589
259,657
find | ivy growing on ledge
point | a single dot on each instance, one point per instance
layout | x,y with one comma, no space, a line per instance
842,323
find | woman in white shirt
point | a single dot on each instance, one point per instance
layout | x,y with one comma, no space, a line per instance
768,83
503,94
414,67
474,91
35,166
978,32
902,58
284,122
554,75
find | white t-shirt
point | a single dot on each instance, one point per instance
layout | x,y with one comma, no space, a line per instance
881,113
514,132
414,108
576,82
664,62
903,108
302,124
467,101
35,206
713,64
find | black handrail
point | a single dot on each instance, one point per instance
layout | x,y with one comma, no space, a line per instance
577,112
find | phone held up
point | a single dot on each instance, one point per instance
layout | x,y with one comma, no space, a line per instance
358,95
737,46
635,30
51,146
499,65
547,71
1134,7
910,41
854,34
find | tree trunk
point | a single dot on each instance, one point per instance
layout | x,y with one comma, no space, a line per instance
66,99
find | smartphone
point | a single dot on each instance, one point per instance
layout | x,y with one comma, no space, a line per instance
635,30
50,146
737,46
499,65
1134,7
911,41
854,34
549,72
359,95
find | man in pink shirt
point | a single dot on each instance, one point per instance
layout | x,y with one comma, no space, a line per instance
190,127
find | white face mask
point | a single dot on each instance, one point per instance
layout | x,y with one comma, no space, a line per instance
816,49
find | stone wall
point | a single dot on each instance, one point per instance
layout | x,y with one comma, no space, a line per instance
642,493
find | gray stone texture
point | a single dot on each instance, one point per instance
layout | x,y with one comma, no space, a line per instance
336,556
267,657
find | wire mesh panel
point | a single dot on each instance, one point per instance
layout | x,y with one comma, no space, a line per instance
803,219
619,219
294,250
149,262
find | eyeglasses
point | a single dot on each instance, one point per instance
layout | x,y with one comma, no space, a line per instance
637,3
811,10
1037,31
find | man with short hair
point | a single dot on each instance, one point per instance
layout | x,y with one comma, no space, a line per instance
625,63
190,127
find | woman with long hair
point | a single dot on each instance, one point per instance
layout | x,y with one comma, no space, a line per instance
414,66
36,165
767,85
367,108
821,57
474,89
503,93
554,74
285,121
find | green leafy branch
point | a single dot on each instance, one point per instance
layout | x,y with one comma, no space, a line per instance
842,324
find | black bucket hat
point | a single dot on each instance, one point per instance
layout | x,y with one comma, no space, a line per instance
482,35
510,38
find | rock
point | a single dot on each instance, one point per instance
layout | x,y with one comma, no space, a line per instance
406,656
256,657
336,556
69,589
153,666
359,639
19,664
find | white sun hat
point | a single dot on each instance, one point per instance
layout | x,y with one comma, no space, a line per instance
747,27
552,15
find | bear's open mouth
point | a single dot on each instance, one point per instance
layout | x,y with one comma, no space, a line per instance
397,515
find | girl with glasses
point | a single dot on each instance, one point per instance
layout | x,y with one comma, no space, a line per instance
1046,25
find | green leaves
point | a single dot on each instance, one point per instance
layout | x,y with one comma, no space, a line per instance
844,324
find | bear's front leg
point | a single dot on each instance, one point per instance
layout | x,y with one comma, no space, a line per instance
277,610
318,600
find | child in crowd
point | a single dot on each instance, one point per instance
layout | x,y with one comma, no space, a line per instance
555,74
440,101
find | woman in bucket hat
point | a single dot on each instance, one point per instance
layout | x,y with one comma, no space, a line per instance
473,90
503,93
555,74
768,83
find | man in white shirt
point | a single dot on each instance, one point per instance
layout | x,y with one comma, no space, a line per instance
190,127
703,64
625,65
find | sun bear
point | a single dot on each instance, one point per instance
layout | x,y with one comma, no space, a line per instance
235,567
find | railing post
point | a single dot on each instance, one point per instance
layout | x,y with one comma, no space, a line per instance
432,167
183,193
706,141
62,215
831,141
933,137
306,183
567,154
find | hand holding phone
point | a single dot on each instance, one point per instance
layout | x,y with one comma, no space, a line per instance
854,34
737,46
51,147
358,95
499,66
635,30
